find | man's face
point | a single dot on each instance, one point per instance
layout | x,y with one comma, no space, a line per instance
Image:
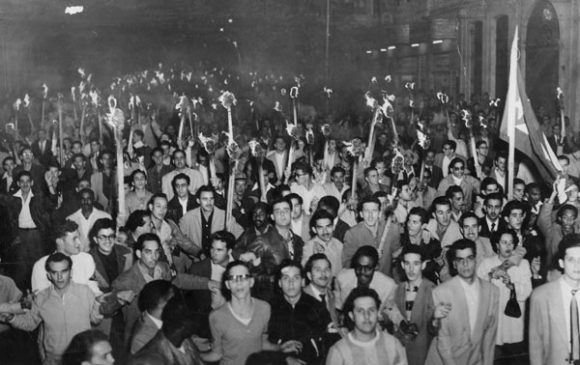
107,160
320,274
25,184
282,214
430,158
365,315
464,263
370,213
158,158
534,195
77,148
260,219
102,354
568,219
491,188
405,193
458,202
338,178
280,145
458,170
447,151
179,160
302,177
364,270
372,177
324,229
413,266
515,219
149,255
158,208
414,224
239,281
219,252
493,209
79,163
8,166
59,274
139,181
296,209
240,186
565,166
206,201
471,228
291,282
505,245
483,149
443,215
70,243
519,191
86,201
95,147
105,240
500,163
571,263
27,156
181,188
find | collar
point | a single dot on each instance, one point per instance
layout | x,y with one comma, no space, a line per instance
365,344
18,194
157,322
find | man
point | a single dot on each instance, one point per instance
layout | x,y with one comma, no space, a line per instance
260,228
310,191
366,344
372,182
443,160
199,223
336,187
157,171
332,206
484,162
87,216
491,222
324,242
553,334
103,181
371,232
183,201
319,273
279,157
296,316
152,300
68,243
282,216
470,228
467,335
455,196
414,299
300,220
65,309
404,203
36,171
172,344
178,159
557,141
72,176
29,218
140,149
41,148
436,172
499,171
8,184
468,184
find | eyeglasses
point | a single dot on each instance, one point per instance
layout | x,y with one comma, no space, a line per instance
239,278
300,175
108,238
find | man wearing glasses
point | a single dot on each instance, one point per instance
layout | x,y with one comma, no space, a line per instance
468,184
310,191
467,335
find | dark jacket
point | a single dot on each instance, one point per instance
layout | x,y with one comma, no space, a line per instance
174,211
124,262
161,351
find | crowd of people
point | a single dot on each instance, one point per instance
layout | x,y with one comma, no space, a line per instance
297,240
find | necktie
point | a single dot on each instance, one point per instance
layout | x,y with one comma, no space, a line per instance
493,227
323,298
574,330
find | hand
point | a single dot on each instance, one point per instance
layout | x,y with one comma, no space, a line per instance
535,265
508,282
442,310
6,317
26,300
213,286
248,257
126,296
291,346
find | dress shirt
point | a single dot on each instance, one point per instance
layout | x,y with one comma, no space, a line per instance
217,272
566,299
280,163
24,217
157,322
445,166
472,298
490,223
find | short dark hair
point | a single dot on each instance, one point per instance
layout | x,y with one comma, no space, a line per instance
565,207
295,196
137,172
486,182
288,263
22,174
415,249
458,245
152,293
304,167
480,143
358,292
178,177
64,228
224,236
368,170
492,196
365,251
511,206
451,144
454,161
330,204
440,200
369,199
146,237
315,257
136,219
467,215
336,169
494,237
156,196
57,257
227,294
87,191
518,181
283,199
421,212
452,190
103,223
80,348
205,189
568,241
320,214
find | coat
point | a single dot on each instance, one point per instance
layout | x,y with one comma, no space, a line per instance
469,185
421,315
143,332
548,332
455,343
174,211
190,224
124,263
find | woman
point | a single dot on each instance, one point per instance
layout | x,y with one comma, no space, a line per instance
140,196
90,347
510,330
239,327
415,233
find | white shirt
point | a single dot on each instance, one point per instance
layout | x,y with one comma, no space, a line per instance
157,322
183,203
82,271
331,189
316,192
280,160
566,299
489,223
24,217
445,165
217,272
472,298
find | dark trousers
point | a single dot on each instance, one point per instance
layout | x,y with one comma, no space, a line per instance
27,248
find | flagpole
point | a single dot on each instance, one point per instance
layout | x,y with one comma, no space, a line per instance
511,128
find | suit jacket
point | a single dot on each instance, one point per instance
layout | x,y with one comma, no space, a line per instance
190,224
455,343
142,333
4,188
124,263
174,211
421,315
202,298
44,157
436,175
40,208
469,185
548,333
330,302
161,351
485,229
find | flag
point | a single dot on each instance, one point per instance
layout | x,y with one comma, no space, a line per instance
519,118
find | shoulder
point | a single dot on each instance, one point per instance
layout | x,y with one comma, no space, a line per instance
122,250
546,290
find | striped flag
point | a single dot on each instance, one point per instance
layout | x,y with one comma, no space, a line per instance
519,118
